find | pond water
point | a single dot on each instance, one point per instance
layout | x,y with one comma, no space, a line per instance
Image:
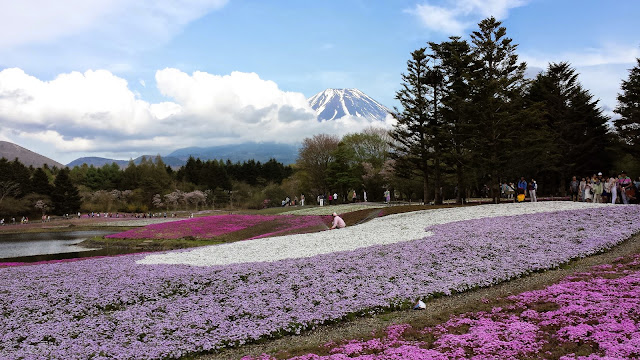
33,247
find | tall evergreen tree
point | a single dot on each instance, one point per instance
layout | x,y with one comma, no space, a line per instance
411,142
457,66
64,196
628,125
498,88
576,138
16,172
437,135
40,182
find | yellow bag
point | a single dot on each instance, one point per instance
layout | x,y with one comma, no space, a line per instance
520,197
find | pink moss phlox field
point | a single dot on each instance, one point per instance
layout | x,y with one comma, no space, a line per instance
211,226
116,308
599,309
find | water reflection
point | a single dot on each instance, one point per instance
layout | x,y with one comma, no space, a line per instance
32,247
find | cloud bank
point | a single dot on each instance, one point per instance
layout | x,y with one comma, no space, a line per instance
96,112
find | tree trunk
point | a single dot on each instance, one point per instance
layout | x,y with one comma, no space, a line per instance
495,186
437,182
459,184
425,187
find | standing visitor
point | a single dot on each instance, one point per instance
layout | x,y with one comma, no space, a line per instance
587,191
503,190
583,188
625,183
511,189
353,197
335,198
597,191
606,190
613,184
486,191
330,199
364,195
301,199
574,187
522,186
533,187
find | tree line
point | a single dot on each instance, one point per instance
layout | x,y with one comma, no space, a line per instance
149,185
469,117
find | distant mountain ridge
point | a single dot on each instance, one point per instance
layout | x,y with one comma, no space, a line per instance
263,152
96,162
11,151
332,104
100,162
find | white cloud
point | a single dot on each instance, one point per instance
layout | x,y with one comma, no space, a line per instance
96,112
455,16
440,19
606,54
42,21
48,37
95,100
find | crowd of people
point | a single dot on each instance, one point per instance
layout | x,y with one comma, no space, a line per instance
518,191
333,199
600,189
615,189
24,220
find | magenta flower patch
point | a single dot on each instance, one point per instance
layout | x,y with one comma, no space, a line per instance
212,226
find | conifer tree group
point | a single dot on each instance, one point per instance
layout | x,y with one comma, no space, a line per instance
470,118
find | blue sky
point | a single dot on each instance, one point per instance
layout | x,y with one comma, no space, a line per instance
120,78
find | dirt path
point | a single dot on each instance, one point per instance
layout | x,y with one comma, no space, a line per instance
437,309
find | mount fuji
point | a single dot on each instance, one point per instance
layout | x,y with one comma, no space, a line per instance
335,103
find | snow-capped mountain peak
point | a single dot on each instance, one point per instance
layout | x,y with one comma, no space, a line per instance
335,103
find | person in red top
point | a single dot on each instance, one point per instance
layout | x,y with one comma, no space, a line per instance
337,222
625,183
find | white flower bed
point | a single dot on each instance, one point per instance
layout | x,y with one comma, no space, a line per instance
328,210
385,230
